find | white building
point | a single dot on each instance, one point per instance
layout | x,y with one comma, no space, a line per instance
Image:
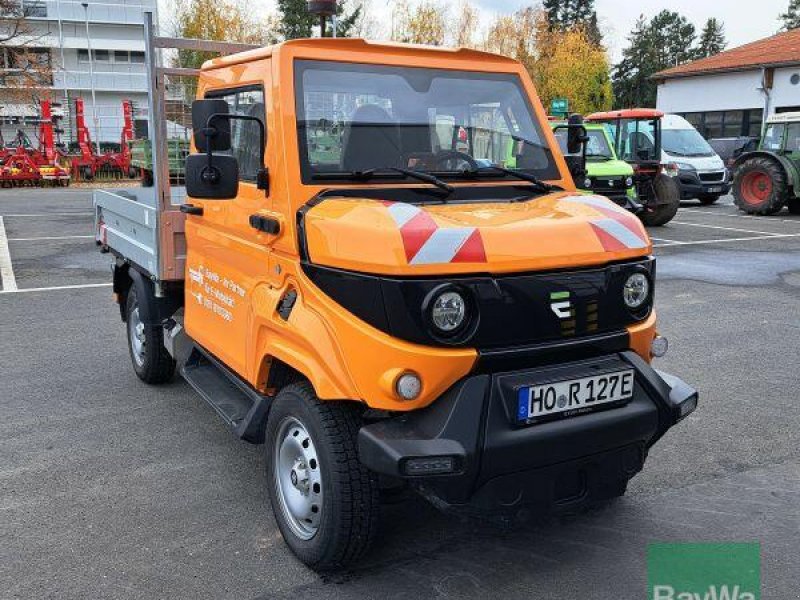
58,36
732,93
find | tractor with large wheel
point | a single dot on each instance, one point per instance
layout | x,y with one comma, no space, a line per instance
637,140
768,179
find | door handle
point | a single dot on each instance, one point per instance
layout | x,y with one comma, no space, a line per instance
191,209
265,224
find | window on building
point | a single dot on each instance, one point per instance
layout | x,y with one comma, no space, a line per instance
122,56
245,135
695,119
755,119
83,55
102,55
34,8
137,58
732,123
713,125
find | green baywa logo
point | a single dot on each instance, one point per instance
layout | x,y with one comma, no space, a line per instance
723,592
704,571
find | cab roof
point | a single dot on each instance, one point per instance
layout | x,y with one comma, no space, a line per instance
628,113
324,45
787,117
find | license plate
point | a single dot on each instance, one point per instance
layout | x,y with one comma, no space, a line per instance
714,190
573,397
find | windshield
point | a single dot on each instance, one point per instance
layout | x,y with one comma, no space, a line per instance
354,118
685,142
597,147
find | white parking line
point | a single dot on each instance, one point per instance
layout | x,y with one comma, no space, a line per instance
6,268
58,237
53,214
56,288
773,219
774,236
723,228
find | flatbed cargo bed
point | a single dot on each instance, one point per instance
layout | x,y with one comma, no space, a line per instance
127,225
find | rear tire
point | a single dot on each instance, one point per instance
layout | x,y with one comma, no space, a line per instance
151,361
794,205
666,204
326,503
708,199
760,187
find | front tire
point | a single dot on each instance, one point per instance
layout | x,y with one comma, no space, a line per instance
151,361
666,203
760,186
325,501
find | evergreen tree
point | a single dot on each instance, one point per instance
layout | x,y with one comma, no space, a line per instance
791,18
568,14
296,22
630,75
665,41
712,39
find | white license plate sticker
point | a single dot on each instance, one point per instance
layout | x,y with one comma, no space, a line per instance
714,190
574,397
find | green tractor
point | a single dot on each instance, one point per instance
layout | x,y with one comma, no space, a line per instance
606,175
769,178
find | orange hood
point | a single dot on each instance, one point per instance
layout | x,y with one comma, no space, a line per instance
561,230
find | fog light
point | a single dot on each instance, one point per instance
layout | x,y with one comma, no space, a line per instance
687,408
659,346
408,386
587,183
629,182
430,465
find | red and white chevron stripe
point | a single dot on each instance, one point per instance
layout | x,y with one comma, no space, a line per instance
618,229
427,243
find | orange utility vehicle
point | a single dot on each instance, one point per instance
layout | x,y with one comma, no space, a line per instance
380,302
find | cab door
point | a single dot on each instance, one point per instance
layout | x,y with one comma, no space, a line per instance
226,256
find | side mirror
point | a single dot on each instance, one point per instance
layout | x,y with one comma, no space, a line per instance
576,134
213,181
211,134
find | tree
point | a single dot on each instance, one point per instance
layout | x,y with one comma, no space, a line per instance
631,74
466,25
712,39
569,14
791,18
569,64
426,23
219,20
28,67
297,22
667,40
14,26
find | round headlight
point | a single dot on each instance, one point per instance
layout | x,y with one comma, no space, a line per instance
448,312
629,182
636,291
587,183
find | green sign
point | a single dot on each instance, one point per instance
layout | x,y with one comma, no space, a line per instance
677,571
559,107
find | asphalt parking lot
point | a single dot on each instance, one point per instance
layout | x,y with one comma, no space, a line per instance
112,489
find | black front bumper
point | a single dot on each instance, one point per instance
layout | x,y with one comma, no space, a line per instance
692,186
500,465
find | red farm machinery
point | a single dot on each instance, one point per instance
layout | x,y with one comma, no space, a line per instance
90,163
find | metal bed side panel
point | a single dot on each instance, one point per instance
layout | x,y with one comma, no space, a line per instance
128,218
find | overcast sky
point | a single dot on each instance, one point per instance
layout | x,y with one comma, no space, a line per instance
745,21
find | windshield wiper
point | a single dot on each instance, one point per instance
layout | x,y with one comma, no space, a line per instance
538,183
418,175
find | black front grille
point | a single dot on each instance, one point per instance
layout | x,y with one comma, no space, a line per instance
715,177
608,184
508,311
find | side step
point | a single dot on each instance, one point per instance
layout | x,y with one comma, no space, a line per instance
243,408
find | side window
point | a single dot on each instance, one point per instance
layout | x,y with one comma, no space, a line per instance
793,138
245,135
773,137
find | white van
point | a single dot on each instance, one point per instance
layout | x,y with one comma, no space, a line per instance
689,158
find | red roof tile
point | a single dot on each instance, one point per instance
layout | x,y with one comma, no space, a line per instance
778,50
